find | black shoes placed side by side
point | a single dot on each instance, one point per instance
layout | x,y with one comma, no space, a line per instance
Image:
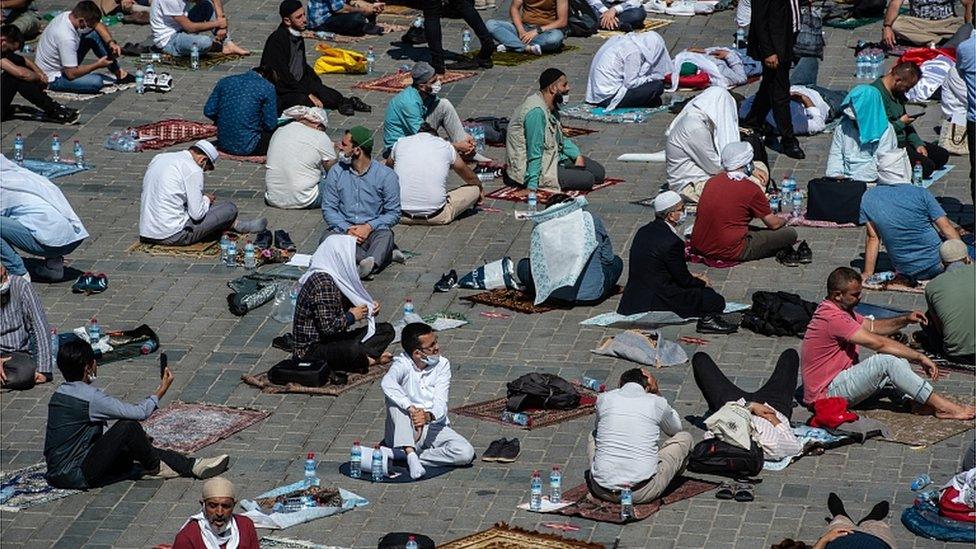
793,258
502,451
715,324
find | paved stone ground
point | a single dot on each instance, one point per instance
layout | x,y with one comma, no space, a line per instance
210,348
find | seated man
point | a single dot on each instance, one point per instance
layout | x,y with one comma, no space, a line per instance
422,163
175,211
297,84
808,110
941,79
536,27
658,278
951,330
723,66
770,406
539,155
217,525
629,71
361,198
830,350
22,15
909,221
625,448
417,388
418,103
131,12
64,43
25,339
927,22
35,217
299,156
19,74
244,108
176,31
331,301
864,139
596,278
893,87
695,140
623,16
80,453
729,203
348,18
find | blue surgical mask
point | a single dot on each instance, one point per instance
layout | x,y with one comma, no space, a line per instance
432,360
750,168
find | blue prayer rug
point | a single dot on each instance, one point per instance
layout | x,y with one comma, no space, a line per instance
53,170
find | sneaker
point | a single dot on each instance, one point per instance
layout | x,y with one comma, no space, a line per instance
655,6
788,257
448,281
534,49
510,451
715,324
164,472
125,80
262,240
204,468
63,115
494,450
98,284
283,241
397,256
500,48
804,254
366,267
82,284
471,64
345,108
359,106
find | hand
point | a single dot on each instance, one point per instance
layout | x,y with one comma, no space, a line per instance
115,48
126,5
765,412
39,378
103,62
164,383
580,162
905,119
865,276
720,54
465,146
609,20
418,416
834,534
220,22
888,37
930,368
772,61
315,101
359,312
376,308
3,373
527,36
703,277
212,197
917,317
922,151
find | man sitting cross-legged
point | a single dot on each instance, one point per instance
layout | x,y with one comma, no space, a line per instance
19,74
25,342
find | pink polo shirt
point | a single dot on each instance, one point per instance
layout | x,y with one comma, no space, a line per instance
827,349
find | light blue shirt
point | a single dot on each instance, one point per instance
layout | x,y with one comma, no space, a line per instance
350,199
903,216
102,407
966,65
404,115
848,158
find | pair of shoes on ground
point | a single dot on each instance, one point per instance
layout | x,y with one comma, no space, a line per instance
203,468
448,281
62,115
738,492
502,450
715,324
793,258
481,61
534,49
90,283
279,239
789,148
351,105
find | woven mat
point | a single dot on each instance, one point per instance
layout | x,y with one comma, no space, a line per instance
516,58
512,193
491,410
396,10
340,39
589,507
916,430
172,131
513,300
269,542
576,131
502,536
393,83
649,24
896,286
52,170
206,61
185,427
253,159
28,488
802,221
198,250
625,115
70,96
262,382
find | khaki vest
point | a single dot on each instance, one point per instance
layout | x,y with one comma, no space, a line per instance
515,144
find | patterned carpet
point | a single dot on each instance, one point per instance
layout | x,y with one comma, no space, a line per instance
186,428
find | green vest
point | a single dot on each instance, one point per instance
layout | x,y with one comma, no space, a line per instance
515,144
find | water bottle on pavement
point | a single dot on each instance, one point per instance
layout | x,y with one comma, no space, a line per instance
224,245
55,345
311,479
555,485
466,41
535,492
148,347
94,332
593,384
293,299
231,259
740,38
322,35
370,60
19,149
533,200
409,314
516,418
250,261
921,481
140,82
626,504
917,174
55,148
774,203
797,202
279,311
194,58
79,155
356,460
376,469
411,543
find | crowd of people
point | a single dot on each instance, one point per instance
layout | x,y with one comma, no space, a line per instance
368,182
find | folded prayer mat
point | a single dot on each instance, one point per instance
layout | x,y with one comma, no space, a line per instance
504,536
393,83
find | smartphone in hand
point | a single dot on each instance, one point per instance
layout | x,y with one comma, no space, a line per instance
163,362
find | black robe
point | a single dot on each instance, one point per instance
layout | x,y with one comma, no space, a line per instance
295,91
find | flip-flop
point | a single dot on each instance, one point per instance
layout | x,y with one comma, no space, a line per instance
743,493
725,491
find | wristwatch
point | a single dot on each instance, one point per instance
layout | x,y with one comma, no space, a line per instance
538,29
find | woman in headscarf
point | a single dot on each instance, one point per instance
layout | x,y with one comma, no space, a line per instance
332,299
863,137
628,71
695,140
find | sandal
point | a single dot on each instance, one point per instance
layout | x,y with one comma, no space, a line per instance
744,493
725,491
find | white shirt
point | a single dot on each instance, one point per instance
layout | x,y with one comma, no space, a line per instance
294,165
161,21
172,194
58,47
422,162
629,423
407,386
620,64
38,205
778,441
941,73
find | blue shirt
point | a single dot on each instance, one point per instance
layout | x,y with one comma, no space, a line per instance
242,106
404,115
350,199
319,11
966,65
903,216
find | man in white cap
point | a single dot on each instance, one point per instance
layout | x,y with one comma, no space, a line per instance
728,203
217,526
951,330
659,279
175,211
299,155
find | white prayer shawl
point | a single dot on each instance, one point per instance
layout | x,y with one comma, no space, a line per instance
965,484
18,185
704,63
608,78
656,63
336,255
719,107
231,536
562,242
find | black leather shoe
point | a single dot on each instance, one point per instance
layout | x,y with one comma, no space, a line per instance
262,240
346,108
494,450
804,254
283,241
510,451
447,282
359,106
788,257
713,324
471,64
793,150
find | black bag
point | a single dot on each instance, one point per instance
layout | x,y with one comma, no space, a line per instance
868,8
809,41
541,392
398,540
314,374
496,129
778,314
715,457
582,22
836,200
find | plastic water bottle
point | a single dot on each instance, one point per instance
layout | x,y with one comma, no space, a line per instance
533,200
535,492
917,174
466,41
626,504
370,60
516,418
19,149
148,347
224,245
418,22
311,479
740,38
774,203
150,69
55,148
921,481
555,485
194,58
250,262
593,384
293,298
140,82
55,345
231,259
279,311
94,332
789,184
356,460
323,35
376,470
79,154
411,543
797,202
408,308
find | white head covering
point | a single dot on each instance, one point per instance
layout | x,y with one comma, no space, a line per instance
894,167
718,106
313,114
336,255
736,156
18,184
208,149
666,200
656,63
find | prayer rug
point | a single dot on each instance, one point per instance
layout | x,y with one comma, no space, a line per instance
198,250
399,474
491,410
262,382
897,286
393,83
574,131
397,10
187,427
515,58
653,318
649,24
172,131
254,159
513,300
206,61
707,261
52,170
340,39
917,430
26,488
851,22
802,221
512,193
70,96
266,518
625,115
589,507
270,542
504,536
937,175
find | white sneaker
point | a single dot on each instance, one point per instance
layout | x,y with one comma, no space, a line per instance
655,6
534,49
204,468
500,48
165,472
366,267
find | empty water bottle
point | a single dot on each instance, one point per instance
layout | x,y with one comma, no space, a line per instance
293,298
311,478
250,261
79,154
593,384
280,309
231,259
411,543
356,460
740,38
194,57
917,175
466,41
535,492
322,35
148,347
224,245
555,485
533,200
370,60
376,467
516,418
55,345
19,149
921,481
55,148
94,332
140,82
626,503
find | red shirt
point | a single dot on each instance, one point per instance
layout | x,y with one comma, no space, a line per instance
725,209
191,538
827,349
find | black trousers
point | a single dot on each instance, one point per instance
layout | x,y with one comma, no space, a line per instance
10,86
329,97
434,10
773,93
125,444
718,389
936,160
647,94
346,353
347,24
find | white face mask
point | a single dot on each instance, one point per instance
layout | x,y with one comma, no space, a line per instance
681,218
432,360
344,158
5,286
435,88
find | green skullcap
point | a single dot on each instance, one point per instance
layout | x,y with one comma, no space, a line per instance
362,137
688,69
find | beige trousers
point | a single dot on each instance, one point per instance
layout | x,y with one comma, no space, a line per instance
672,459
459,201
921,32
875,528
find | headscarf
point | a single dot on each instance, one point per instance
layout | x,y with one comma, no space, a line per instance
869,113
718,106
313,114
736,156
656,60
336,256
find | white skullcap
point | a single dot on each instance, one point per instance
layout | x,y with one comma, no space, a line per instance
218,487
736,155
208,149
665,200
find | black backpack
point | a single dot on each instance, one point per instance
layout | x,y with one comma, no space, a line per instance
541,392
835,199
778,314
715,457
582,22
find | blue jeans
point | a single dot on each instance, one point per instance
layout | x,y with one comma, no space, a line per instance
181,44
505,33
867,377
91,82
14,235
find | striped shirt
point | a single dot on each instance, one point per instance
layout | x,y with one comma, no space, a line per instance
777,441
23,324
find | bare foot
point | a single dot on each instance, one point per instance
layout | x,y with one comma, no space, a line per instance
231,48
39,378
957,412
386,358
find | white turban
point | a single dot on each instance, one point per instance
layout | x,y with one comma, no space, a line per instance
736,155
312,114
